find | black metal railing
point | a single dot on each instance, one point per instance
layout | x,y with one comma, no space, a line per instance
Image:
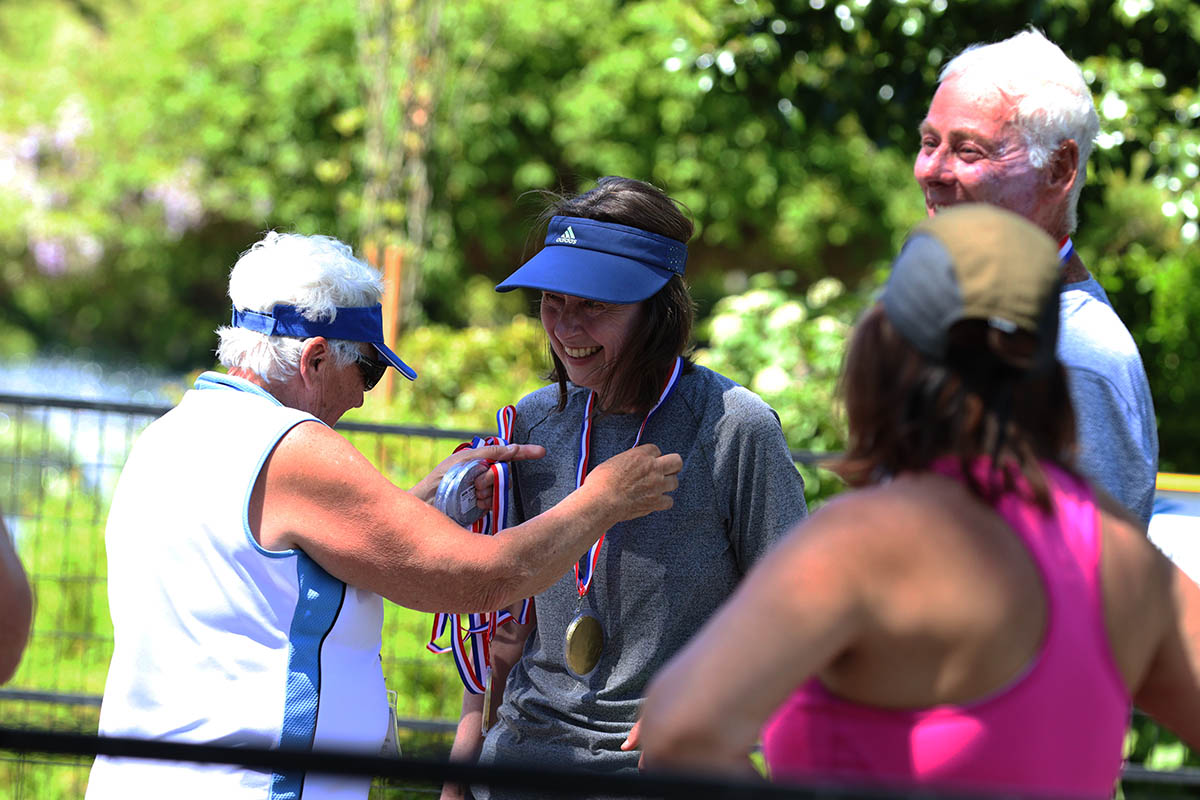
59,461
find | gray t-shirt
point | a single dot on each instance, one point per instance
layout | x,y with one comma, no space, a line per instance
658,578
1114,414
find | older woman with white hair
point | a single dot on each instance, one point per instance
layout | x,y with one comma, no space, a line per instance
250,545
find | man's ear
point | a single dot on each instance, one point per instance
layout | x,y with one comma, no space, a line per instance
1063,167
314,355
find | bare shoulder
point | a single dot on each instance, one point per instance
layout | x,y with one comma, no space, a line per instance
312,455
313,440
869,525
315,485
1129,561
901,508
1112,508
1152,617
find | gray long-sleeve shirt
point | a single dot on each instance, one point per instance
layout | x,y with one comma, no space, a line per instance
658,577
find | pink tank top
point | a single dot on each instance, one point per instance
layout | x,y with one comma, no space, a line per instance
1058,729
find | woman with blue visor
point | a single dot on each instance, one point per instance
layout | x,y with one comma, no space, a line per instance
567,684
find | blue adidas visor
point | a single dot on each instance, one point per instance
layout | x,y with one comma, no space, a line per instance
600,261
360,324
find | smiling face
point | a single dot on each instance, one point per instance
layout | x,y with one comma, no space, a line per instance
588,336
972,153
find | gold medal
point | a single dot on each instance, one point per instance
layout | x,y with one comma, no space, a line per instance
585,637
485,720
585,641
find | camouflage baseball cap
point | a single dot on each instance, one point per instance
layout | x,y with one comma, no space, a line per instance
980,262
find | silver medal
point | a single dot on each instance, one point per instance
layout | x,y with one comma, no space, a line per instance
456,493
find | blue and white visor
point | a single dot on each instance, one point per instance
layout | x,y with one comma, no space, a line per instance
353,324
600,261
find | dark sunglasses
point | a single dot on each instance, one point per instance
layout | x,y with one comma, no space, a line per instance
371,371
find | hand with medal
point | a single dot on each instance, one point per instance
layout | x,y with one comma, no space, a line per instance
427,488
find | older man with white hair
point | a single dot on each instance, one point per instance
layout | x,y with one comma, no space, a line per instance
249,544
1012,124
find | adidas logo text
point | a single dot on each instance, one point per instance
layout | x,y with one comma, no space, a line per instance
567,237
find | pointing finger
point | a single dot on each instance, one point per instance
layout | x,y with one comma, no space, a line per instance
509,452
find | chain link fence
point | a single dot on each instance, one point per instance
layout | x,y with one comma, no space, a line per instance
59,463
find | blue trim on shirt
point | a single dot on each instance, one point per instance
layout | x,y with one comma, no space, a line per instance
317,608
262,459
218,380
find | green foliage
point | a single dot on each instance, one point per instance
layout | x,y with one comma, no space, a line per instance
56,514
56,517
789,350
465,375
145,144
1156,748
151,150
1149,272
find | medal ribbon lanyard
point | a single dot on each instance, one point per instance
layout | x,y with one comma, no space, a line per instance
471,635
1066,249
584,576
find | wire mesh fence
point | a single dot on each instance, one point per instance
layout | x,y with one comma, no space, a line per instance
59,463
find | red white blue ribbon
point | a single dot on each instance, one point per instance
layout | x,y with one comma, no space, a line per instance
1066,249
471,634
584,575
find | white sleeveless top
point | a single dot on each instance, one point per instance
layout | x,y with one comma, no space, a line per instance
218,640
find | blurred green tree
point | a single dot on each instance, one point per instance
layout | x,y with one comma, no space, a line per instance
824,63
144,144
145,152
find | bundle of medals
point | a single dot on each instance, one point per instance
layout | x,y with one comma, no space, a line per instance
471,634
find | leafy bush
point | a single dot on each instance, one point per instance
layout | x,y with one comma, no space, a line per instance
788,347
465,375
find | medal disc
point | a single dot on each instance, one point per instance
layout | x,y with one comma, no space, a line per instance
585,641
456,492
485,719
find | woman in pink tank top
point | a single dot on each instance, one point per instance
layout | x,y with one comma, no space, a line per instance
974,616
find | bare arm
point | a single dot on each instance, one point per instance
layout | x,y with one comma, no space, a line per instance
1170,691
16,600
795,612
1152,618
506,650
318,493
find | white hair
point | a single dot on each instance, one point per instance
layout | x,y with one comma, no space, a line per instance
1052,100
316,274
